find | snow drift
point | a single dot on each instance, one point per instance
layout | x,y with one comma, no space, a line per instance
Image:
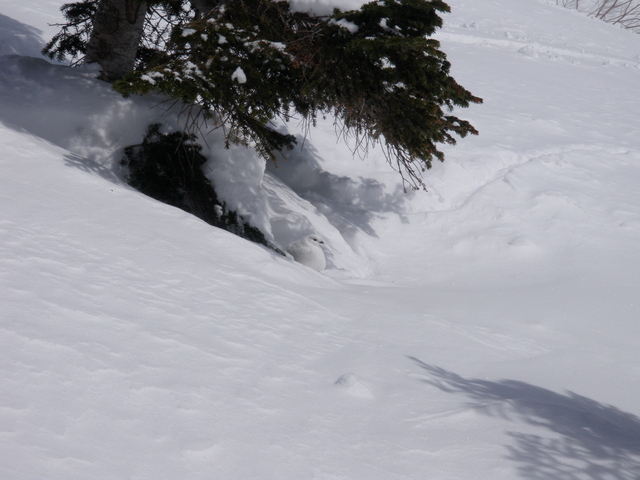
485,329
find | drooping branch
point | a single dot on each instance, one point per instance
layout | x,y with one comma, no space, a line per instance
375,70
71,40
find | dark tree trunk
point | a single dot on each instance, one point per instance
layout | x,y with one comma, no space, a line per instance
117,31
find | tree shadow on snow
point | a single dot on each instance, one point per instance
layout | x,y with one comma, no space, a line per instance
356,201
589,440
89,166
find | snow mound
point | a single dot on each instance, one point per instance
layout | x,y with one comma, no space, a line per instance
354,386
73,110
19,39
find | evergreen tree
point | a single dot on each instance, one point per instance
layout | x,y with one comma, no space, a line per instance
243,63
116,33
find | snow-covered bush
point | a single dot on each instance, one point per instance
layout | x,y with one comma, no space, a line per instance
168,167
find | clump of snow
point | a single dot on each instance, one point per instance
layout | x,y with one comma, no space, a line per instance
239,76
237,176
347,25
148,79
352,384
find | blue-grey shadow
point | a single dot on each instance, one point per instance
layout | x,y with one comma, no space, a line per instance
343,200
18,38
89,166
590,441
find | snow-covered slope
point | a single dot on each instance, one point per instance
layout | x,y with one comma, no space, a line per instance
486,329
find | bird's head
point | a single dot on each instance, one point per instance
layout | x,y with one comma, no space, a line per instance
315,239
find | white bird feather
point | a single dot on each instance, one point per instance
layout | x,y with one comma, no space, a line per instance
308,251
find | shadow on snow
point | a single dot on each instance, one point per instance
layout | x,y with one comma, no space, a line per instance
343,200
18,38
590,440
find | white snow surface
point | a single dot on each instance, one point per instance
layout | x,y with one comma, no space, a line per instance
486,329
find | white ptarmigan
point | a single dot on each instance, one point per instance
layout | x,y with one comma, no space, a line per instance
308,251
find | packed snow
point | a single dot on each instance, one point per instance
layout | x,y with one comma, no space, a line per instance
485,329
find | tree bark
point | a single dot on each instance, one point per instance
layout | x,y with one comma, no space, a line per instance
117,31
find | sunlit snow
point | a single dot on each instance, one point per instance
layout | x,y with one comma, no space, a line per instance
486,329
